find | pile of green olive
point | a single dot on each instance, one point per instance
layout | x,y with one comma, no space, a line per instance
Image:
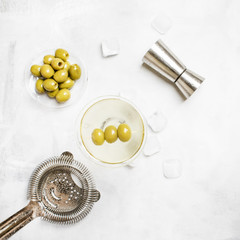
56,76
111,134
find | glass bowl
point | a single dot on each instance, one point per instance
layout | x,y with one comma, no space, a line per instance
76,91
105,111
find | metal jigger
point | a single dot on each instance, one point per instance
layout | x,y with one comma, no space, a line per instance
160,58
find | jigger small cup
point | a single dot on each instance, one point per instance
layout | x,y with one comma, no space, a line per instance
161,59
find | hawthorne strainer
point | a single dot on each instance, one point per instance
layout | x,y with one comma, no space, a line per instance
60,190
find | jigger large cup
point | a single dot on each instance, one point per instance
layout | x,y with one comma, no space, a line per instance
160,58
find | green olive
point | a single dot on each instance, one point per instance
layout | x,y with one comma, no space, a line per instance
63,95
35,70
61,76
110,134
61,53
50,85
67,84
66,65
57,64
75,72
53,93
39,86
124,132
48,59
98,136
47,71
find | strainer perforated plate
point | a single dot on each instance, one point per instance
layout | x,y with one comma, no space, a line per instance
60,190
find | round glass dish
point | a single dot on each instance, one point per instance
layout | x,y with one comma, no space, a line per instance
105,111
76,91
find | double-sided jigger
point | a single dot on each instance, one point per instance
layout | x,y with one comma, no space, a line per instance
160,58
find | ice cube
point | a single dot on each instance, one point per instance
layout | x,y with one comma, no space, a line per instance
134,163
157,121
152,145
172,168
162,23
110,47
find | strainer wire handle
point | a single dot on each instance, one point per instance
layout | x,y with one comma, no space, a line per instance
18,220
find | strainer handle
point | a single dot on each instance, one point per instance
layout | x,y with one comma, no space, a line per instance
14,223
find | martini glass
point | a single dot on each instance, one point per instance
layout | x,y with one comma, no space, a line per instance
106,111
